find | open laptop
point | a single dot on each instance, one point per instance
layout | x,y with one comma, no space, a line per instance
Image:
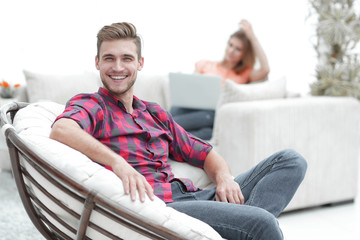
194,90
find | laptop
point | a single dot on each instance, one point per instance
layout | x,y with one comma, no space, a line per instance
195,91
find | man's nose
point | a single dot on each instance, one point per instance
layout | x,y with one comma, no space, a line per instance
118,65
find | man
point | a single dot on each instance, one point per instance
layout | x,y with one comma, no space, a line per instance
134,138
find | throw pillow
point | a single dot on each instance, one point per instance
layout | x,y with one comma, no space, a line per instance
59,88
233,92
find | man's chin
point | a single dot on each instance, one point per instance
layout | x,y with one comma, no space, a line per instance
117,90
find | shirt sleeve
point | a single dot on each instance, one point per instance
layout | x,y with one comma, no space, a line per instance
85,109
183,146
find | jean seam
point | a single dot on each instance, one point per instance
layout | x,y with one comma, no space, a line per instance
256,174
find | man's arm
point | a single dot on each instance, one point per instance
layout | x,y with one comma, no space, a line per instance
227,190
67,131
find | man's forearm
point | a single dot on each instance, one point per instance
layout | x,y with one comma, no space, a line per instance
227,190
216,167
67,131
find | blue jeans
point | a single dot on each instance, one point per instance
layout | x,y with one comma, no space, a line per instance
196,121
267,189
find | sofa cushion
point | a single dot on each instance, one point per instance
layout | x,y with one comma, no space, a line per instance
28,123
233,92
59,88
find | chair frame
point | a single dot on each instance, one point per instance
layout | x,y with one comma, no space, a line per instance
91,200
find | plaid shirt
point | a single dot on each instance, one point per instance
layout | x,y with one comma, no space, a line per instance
145,139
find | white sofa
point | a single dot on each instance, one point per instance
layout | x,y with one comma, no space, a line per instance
254,121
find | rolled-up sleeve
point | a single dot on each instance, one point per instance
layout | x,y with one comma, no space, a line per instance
185,147
83,109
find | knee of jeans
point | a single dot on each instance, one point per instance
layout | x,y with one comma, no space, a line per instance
297,161
268,225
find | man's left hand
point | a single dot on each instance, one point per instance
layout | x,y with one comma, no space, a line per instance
227,190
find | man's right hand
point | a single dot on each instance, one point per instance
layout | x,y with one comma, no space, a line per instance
132,180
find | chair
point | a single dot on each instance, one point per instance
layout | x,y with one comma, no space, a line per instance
67,196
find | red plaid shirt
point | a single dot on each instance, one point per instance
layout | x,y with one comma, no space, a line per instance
146,138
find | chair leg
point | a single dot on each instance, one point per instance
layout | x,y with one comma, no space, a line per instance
85,216
24,196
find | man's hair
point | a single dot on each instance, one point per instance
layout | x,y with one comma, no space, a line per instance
122,30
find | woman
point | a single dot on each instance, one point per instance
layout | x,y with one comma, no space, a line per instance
237,65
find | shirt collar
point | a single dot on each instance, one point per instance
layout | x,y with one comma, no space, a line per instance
138,105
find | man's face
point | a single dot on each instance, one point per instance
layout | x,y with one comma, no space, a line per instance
118,65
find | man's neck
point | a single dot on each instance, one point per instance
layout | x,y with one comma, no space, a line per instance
127,100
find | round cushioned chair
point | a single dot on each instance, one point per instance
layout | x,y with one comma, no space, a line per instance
67,196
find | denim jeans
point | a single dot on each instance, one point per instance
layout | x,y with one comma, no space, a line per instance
196,121
267,188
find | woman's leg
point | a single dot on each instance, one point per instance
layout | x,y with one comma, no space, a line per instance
203,133
197,122
195,119
180,110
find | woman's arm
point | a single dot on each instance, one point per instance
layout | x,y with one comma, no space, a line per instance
67,131
263,71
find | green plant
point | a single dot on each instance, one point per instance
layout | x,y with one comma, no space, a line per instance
338,33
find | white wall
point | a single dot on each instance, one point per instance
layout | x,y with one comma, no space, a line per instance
60,36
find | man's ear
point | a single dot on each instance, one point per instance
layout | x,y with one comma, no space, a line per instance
97,63
141,64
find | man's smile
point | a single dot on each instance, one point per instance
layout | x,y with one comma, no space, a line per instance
118,77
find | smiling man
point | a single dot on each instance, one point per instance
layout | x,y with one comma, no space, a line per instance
118,63
135,139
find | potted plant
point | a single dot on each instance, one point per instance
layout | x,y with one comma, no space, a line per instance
338,33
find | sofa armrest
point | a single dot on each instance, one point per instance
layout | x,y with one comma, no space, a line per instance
256,129
325,130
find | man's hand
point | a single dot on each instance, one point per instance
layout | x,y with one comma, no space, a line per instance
227,190
132,181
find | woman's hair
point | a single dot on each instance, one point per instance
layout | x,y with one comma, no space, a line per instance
122,30
248,59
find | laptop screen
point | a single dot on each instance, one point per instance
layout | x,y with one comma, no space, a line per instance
195,91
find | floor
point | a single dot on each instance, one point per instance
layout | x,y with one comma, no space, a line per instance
337,222
340,222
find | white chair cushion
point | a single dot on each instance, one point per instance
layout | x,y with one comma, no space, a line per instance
33,124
